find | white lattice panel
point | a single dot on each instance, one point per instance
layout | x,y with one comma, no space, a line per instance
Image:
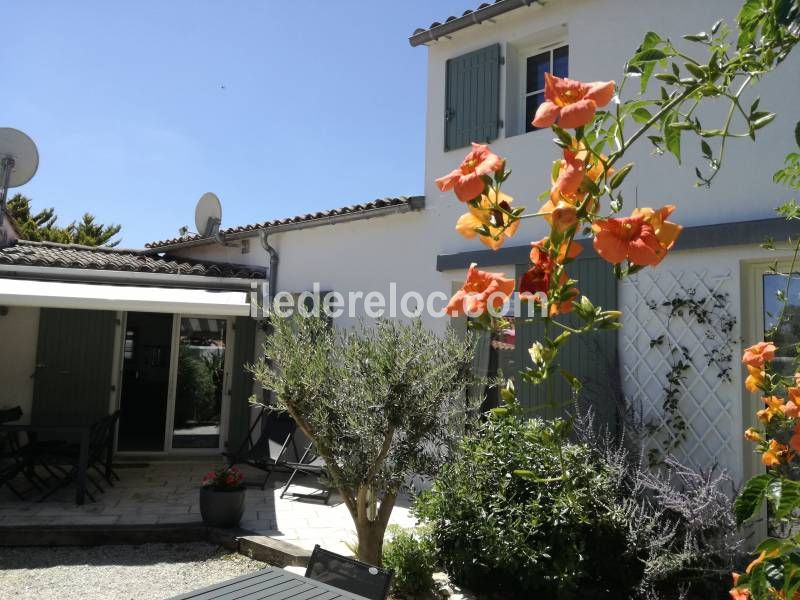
706,400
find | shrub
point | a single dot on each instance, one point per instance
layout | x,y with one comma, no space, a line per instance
503,518
681,519
555,532
411,557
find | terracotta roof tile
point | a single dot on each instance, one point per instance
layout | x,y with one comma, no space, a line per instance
72,256
430,32
412,201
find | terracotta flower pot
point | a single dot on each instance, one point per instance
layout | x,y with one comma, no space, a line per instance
221,508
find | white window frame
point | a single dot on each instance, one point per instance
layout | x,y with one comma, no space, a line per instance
523,71
752,287
230,340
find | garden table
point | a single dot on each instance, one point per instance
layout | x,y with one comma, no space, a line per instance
81,431
271,583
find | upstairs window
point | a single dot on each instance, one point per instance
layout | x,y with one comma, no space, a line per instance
555,61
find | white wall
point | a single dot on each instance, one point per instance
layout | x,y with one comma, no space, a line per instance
717,412
368,255
602,35
18,334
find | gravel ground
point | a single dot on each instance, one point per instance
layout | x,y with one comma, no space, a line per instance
146,572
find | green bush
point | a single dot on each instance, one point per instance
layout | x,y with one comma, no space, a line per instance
412,559
551,532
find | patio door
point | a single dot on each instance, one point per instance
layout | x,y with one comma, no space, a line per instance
200,383
175,384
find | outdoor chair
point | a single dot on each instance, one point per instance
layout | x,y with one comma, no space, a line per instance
9,415
310,464
14,458
268,452
101,450
98,447
348,574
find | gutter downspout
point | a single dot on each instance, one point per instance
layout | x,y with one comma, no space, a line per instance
273,265
269,395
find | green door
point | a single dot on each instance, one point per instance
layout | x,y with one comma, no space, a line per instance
592,357
74,357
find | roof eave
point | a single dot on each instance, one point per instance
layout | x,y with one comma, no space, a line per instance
108,276
426,36
414,203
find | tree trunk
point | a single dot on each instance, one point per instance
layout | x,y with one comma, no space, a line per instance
370,542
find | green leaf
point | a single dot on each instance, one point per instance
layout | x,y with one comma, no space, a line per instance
573,381
697,37
749,500
620,175
763,121
651,39
647,72
797,134
648,55
751,11
672,136
705,149
642,115
564,137
788,499
666,77
695,70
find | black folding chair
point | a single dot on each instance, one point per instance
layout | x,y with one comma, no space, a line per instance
98,447
12,459
101,450
268,452
310,464
349,574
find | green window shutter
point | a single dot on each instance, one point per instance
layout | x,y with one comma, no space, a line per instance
590,357
241,381
472,98
74,352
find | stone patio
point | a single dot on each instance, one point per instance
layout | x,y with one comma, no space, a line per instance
167,493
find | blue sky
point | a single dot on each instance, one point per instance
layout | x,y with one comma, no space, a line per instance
323,105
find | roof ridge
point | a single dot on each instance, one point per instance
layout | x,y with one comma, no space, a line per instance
366,207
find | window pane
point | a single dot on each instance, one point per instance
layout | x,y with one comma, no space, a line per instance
561,61
494,355
532,102
537,66
198,393
787,334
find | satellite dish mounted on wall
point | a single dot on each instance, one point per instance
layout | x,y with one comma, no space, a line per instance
208,215
19,160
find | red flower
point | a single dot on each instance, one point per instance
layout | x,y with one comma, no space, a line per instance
481,290
757,354
537,279
571,103
644,238
467,178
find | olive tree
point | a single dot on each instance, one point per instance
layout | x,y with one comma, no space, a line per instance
381,403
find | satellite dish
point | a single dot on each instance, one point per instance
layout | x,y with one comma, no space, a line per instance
23,155
208,214
19,160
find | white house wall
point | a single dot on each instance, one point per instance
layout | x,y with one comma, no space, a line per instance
602,34
19,329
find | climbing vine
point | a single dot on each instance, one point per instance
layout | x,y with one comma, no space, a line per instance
712,315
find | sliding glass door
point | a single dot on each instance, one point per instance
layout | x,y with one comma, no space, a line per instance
199,383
